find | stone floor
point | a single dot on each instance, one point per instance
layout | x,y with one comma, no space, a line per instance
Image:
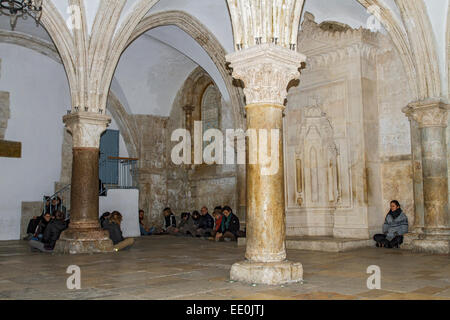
164,267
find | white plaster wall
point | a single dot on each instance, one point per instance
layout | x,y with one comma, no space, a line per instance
126,201
150,73
350,12
123,152
39,97
184,43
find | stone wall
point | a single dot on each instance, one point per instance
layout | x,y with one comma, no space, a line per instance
356,79
192,186
151,132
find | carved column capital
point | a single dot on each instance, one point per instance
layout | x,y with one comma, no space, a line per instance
266,70
428,113
86,128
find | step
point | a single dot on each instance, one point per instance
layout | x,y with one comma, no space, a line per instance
322,243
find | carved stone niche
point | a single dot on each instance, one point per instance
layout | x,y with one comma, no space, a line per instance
316,162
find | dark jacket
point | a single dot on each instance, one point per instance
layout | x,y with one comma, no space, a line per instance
395,224
230,224
115,234
52,233
206,221
170,221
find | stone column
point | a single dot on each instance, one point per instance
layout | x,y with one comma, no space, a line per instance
431,117
266,71
189,123
84,234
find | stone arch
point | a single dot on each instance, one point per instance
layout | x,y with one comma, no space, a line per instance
415,44
207,41
422,43
194,86
43,47
399,38
90,59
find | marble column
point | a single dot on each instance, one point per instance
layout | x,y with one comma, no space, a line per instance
432,118
266,71
84,234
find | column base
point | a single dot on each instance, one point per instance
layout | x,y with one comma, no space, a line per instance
272,273
84,241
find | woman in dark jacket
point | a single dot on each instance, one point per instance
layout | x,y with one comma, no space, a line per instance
53,230
394,227
51,234
39,233
115,234
230,226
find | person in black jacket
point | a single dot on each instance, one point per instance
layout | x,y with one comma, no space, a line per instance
34,222
170,222
105,216
40,229
205,223
51,234
115,234
229,230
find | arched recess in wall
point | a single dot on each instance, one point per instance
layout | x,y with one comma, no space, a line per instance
207,41
48,49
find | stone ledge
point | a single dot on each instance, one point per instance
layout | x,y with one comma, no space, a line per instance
326,244
271,273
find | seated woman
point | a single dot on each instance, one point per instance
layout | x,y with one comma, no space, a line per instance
218,217
51,234
145,231
394,227
229,229
115,234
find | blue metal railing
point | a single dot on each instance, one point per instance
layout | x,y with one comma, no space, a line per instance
126,178
120,173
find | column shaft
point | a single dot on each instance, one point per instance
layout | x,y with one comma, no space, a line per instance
84,188
435,180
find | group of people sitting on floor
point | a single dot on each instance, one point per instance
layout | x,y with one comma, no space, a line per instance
223,225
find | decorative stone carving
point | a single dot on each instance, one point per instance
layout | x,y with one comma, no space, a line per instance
317,151
431,113
86,128
259,22
266,71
